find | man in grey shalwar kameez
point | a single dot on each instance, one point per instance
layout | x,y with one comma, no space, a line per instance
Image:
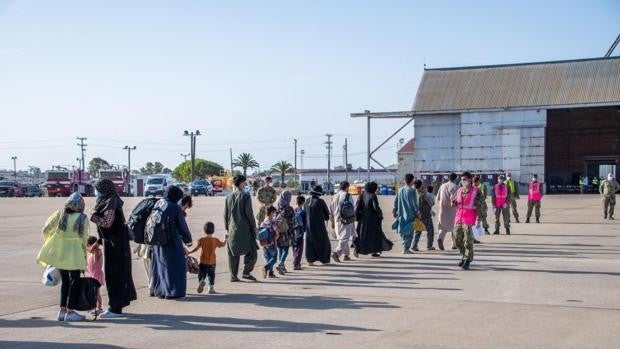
447,213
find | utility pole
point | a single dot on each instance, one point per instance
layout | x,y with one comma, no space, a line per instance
295,167
14,158
232,171
129,149
329,157
346,160
83,149
302,153
184,156
192,142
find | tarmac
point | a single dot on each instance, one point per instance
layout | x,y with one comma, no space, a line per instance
549,285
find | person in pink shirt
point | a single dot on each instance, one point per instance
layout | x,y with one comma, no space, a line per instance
94,268
534,197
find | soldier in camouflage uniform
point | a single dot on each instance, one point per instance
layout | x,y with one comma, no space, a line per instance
608,189
482,187
501,204
266,196
513,196
466,216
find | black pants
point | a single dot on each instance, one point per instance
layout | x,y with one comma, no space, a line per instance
249,260
68,278
207,270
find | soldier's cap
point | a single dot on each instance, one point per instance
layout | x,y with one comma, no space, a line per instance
501,177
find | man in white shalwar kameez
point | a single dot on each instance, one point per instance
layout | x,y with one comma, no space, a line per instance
447,213
344,232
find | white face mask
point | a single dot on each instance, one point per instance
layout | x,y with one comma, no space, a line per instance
610,178
534,179
465,182
501,181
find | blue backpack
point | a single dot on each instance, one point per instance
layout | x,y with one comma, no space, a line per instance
300,225
264,236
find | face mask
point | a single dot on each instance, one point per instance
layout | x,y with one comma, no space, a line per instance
508,177
179,202
464,183
610,178
534,179
501,181
97,193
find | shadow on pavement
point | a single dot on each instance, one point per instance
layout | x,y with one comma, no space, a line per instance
52,345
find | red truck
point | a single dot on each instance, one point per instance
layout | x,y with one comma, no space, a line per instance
120,179
63,183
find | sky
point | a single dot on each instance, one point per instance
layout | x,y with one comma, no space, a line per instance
252,75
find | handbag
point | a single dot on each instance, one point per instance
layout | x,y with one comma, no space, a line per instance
192,265
51,276
418,225
83,294
477,230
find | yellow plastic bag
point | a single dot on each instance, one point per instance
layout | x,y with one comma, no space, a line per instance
418,225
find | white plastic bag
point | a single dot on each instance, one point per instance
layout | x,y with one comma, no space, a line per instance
51,276
477,230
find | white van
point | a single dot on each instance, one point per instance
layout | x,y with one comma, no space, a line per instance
156,184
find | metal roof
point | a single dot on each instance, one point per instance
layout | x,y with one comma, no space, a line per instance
409,147
593,81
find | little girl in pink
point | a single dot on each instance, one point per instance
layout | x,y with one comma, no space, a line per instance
94,267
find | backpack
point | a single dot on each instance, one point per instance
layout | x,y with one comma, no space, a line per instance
347,211
299,224
282,223
137,220
264,236
157,230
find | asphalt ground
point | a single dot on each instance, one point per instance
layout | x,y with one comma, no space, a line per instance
549,285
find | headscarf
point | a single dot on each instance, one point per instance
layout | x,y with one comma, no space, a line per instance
74,204
317,191
173,194
284,200
371,187
109,199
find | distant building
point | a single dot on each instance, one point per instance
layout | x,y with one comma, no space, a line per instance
405,158
309,177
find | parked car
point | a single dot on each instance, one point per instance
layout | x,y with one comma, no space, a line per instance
10,189
34,191
157,184
201,187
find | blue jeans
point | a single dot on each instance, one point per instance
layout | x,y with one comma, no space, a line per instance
271,257
282,254
207,270
430,230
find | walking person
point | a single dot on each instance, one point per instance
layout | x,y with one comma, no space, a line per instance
266,196
482,188
447,212
241,227
501,204
207,246
369,220
168,264
110,220
270,249
534,197
300,228
608,189
342,220
513,196
318,247
65,235
286,214
425,205
405,211
468,202
94,269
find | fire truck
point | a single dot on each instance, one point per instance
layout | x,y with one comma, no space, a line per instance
120,179
65,182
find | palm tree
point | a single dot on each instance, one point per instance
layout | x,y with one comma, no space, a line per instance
283,167
245,161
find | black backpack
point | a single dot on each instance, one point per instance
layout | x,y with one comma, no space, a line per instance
347,210
137,220
158,225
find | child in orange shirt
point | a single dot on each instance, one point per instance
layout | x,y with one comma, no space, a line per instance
207,245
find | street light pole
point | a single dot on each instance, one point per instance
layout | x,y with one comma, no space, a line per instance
129,149
295,167
14,158
184,156
192,136
329,158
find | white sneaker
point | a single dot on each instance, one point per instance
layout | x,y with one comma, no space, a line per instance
211,290
72,316
61,315
110,315
201,286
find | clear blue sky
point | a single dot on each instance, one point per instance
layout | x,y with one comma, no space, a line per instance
251,75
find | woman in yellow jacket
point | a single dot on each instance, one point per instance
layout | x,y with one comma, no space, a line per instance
65,234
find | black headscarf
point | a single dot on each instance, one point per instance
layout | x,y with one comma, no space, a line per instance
173,194
109,199
371,187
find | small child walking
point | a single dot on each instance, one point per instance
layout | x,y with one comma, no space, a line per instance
270,251
207,245
94,268
300,230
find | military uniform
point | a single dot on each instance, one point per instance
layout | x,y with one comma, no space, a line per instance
266,196
483,212
463,234
608,190
503,210
513,196
533,200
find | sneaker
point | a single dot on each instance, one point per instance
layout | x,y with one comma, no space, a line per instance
461,262
249,277
431,248
61,315
347,258
279,269
211,290
407,252
355,254
72,316
454,247
486,232
272,275
496,232
264,272
284,269
537,219
109,315
415,248
297,267
476,241
234,279
311,264
335,257
440,244
527,220
466,265
611,218
201,286
376,255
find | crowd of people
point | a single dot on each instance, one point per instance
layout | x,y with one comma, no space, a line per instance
276,228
